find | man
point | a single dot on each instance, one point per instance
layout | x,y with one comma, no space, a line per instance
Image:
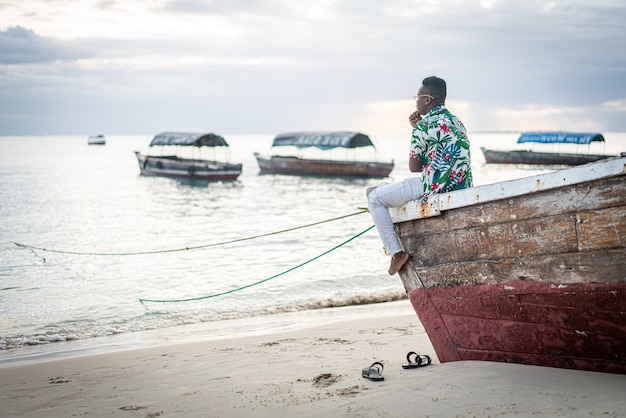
439,150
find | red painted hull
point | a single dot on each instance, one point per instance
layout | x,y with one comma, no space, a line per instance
305,167
575,326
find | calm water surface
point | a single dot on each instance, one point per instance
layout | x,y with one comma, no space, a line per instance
60,194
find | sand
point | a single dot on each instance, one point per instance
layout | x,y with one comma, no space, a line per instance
313,371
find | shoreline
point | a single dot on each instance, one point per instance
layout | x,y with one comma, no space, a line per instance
204,331
307,369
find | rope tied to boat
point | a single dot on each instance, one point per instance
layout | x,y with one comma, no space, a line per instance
189,248
197,247
258,282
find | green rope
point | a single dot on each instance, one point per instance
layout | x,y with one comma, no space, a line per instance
198,247
256,283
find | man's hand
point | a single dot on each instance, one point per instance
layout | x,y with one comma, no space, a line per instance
414,118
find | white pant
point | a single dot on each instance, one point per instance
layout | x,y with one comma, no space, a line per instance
391,195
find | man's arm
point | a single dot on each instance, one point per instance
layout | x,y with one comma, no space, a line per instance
415,165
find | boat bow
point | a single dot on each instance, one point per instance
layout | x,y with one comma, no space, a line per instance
528,271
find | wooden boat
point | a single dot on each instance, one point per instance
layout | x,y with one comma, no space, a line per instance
178,166
297,165
96,140
547,158
528,271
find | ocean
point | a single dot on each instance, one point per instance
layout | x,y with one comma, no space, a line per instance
85,241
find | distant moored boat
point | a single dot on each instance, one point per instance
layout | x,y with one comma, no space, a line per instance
325,141
548,158
178,166
96,140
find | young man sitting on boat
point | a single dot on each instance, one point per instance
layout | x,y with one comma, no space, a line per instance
440,151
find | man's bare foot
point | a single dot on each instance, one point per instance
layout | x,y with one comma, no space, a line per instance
397,261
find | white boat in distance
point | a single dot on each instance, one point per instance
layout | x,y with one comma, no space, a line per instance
96,140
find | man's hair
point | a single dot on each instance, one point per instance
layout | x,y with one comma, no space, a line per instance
436,86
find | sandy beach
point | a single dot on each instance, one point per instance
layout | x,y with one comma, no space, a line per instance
308,371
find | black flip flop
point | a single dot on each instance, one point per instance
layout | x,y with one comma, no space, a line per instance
374,372
415,360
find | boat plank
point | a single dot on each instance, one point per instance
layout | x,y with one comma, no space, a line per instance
513,336
601,228
548,235
543,360
582,231
578,267
572,311
557,182
579,197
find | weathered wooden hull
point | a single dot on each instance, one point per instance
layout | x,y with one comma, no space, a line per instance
184,168
539,158
307,167
528,271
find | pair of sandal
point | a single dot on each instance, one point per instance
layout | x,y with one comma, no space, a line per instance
414,360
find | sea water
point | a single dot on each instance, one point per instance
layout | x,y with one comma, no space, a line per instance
84,238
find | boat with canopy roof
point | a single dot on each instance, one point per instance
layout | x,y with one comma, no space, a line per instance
525,156
178,165
325,164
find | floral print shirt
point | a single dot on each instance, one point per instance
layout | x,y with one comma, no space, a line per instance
440,143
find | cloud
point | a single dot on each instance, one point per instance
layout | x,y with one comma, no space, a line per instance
615,105
313,64
19,45
214,7
550,117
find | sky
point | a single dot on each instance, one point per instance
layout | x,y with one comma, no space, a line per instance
270,66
